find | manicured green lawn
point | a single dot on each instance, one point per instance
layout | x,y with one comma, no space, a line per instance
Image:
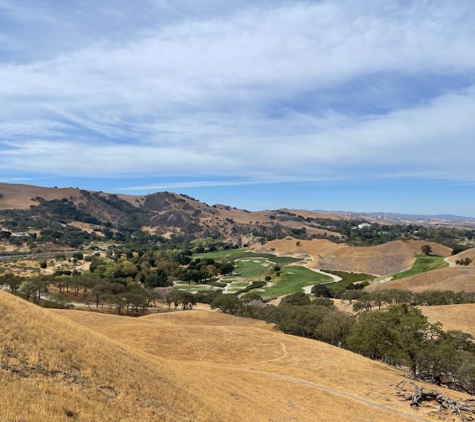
422,265
238,285
252,268
292,283
193,287
233,254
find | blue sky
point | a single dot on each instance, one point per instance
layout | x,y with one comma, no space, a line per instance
363,105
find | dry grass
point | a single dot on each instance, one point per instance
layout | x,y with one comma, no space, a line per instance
19,196
243,367
390,258
453,317
51,366
455,278
469,253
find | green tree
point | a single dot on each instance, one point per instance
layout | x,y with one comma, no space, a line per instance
320,290
297,299
426,249
228,304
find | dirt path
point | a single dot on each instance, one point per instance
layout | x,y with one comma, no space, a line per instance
323,388
308,289
451,264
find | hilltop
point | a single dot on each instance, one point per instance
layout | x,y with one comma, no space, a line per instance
162,213
193,366
390,258
455,278
261,374
72,216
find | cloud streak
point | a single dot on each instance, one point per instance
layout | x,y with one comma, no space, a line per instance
252,93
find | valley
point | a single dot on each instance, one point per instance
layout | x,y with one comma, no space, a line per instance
143,307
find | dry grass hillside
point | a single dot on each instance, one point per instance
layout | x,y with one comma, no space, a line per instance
244,367
163,212
19,196
390,258
454,278
469,253
56,370
453,317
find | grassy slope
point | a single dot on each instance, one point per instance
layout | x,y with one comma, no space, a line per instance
456,279
453,317
390,258
233,254
292,280
265,375
51,366
252,266
422,265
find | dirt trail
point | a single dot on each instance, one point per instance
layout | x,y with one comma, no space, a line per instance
308,289
451,264
323,388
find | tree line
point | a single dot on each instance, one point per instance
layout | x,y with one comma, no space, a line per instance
398,335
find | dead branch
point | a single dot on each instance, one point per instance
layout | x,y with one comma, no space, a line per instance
463,409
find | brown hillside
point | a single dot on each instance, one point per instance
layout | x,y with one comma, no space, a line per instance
455,278
166,213
19,196
265,375
390,258
52,368
453,317
469,253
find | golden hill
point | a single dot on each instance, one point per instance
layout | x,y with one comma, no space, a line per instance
453,278
55,370
453,317
469,253
390,258
244,366
166,212
19,196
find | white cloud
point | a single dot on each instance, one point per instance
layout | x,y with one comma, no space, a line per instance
223,94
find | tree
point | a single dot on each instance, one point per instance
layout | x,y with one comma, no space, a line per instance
304,321
227,269
298,299
173,297
426,249
335,328
400,334
14,282
157,279
229,304
320,290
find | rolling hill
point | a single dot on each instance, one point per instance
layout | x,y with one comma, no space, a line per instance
279,377
454,278
193,366
453,317
161,212
469,253
390,258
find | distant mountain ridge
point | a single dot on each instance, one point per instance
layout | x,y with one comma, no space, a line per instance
163,213
412,216
436,220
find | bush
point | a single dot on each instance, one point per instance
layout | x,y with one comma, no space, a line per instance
252,286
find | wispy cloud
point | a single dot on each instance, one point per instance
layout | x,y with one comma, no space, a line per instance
253,92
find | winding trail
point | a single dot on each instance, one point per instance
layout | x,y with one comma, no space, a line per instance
322,388
451,264
308,289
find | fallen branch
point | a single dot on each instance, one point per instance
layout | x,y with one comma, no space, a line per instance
418,395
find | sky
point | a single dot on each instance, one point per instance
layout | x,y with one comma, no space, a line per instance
355,105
